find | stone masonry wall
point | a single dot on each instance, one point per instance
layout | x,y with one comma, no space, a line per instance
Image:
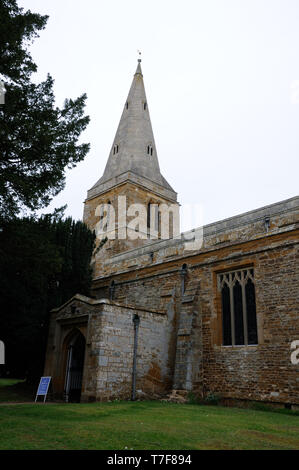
263,372
113,345
109,332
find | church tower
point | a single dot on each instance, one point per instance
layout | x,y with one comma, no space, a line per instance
132,176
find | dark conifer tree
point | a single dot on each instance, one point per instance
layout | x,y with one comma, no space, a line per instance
44,262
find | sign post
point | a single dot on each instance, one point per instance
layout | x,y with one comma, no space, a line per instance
43,387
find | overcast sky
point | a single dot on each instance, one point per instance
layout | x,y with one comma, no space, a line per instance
222,83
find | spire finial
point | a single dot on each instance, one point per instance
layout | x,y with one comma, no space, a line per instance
138,71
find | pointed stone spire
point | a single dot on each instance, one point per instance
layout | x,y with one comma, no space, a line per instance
134,149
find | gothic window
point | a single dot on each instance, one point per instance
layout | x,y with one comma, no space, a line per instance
127,105
144,106
115,149
239,324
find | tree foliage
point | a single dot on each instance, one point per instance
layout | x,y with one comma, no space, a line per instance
38,140
44,262
17,30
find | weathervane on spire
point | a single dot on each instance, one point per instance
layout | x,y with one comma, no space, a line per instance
139,55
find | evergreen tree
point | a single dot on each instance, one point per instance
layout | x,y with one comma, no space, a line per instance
44,262
38,140
17,30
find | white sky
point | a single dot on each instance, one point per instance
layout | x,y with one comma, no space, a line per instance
222,83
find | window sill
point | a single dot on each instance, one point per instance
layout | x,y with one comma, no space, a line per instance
241,347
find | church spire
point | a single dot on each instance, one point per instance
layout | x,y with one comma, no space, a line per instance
134,149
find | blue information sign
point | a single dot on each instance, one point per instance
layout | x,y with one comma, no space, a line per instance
43,387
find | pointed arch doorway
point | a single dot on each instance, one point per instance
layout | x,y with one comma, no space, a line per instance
75,347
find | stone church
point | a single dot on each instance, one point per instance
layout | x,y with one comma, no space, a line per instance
217,318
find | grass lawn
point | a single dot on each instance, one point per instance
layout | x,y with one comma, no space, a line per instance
15,390
144,425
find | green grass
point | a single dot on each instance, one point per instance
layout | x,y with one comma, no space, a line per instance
144,425
139,425
9,382
15,390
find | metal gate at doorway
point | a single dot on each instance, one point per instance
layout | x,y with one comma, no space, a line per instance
74,368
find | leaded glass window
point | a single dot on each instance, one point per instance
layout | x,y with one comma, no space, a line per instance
239,324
